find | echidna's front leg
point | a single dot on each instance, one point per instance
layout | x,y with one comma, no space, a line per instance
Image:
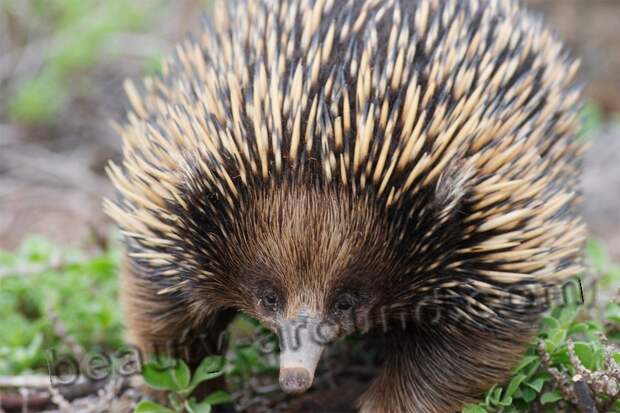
435,372
158,327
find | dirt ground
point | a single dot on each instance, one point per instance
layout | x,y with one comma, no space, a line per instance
51,176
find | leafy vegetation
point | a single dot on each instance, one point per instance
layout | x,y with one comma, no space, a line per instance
174,377
533,384
570,328
41,279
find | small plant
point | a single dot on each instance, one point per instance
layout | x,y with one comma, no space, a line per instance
549,374
173,376
572,364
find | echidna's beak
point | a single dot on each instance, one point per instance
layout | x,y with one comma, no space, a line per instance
301,345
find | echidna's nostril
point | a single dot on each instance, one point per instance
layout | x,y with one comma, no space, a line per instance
295,380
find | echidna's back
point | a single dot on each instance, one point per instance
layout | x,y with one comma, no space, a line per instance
457,117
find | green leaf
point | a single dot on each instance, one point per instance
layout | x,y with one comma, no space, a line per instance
528,394
513,385
527,360
210,368
550,397
506,401
532,369
165,373
177,401
489,395
579,328
568,314
551,322
495,396
584,353
555,339
194,407
147,406
474,409
536,384
218,397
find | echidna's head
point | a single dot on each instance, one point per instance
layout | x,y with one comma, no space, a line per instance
315,261
309,263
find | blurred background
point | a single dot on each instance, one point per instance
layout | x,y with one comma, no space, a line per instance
63,62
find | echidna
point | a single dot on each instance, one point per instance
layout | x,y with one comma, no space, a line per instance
402,166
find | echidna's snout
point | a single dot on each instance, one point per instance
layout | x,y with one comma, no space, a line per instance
301,345
295,380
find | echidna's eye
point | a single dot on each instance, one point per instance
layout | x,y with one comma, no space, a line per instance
270,301
343,305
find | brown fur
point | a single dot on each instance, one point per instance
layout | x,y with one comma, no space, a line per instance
446,372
